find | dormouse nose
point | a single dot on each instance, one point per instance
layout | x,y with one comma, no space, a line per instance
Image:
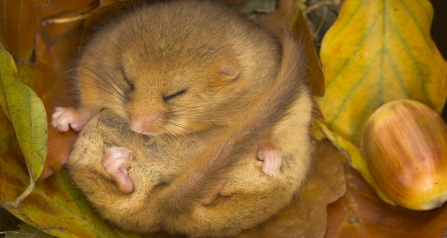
146,123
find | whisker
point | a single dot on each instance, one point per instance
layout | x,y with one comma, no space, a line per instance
99,85
179,133
205,119
168,134
110,77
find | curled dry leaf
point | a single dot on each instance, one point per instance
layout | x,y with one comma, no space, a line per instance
288,14
21,19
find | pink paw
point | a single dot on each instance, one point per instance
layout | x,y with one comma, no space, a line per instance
271,156
63,118
115,161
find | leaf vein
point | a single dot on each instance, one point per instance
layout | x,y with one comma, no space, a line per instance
348,96
423,33
415,62
362,42
347,24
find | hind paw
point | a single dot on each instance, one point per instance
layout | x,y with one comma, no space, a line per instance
115,161
271,156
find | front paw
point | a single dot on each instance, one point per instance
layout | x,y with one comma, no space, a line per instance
271,156
63,118
115,161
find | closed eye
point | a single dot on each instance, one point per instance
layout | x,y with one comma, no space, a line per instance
170,97
131,86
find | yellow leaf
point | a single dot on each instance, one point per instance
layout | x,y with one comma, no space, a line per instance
376,52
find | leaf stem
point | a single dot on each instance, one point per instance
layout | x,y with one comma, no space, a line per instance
64,20
20,198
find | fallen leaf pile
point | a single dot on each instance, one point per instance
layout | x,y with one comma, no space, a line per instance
376,52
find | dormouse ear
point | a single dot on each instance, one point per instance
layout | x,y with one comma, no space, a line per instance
229,66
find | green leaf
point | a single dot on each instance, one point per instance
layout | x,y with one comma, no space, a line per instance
26,112
54,205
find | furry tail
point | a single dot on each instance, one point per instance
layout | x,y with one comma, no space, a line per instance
209,172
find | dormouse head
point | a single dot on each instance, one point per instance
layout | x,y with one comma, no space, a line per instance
177,93
166,70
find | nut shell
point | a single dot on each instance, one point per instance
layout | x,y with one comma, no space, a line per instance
405,147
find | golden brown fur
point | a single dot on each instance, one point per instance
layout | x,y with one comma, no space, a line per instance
222,61
206,137
211,168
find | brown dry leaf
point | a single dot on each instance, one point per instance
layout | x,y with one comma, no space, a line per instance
54,205
18,28
306,215
316,73
45,78
52,58
22,19
52,48
361,213
288,14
